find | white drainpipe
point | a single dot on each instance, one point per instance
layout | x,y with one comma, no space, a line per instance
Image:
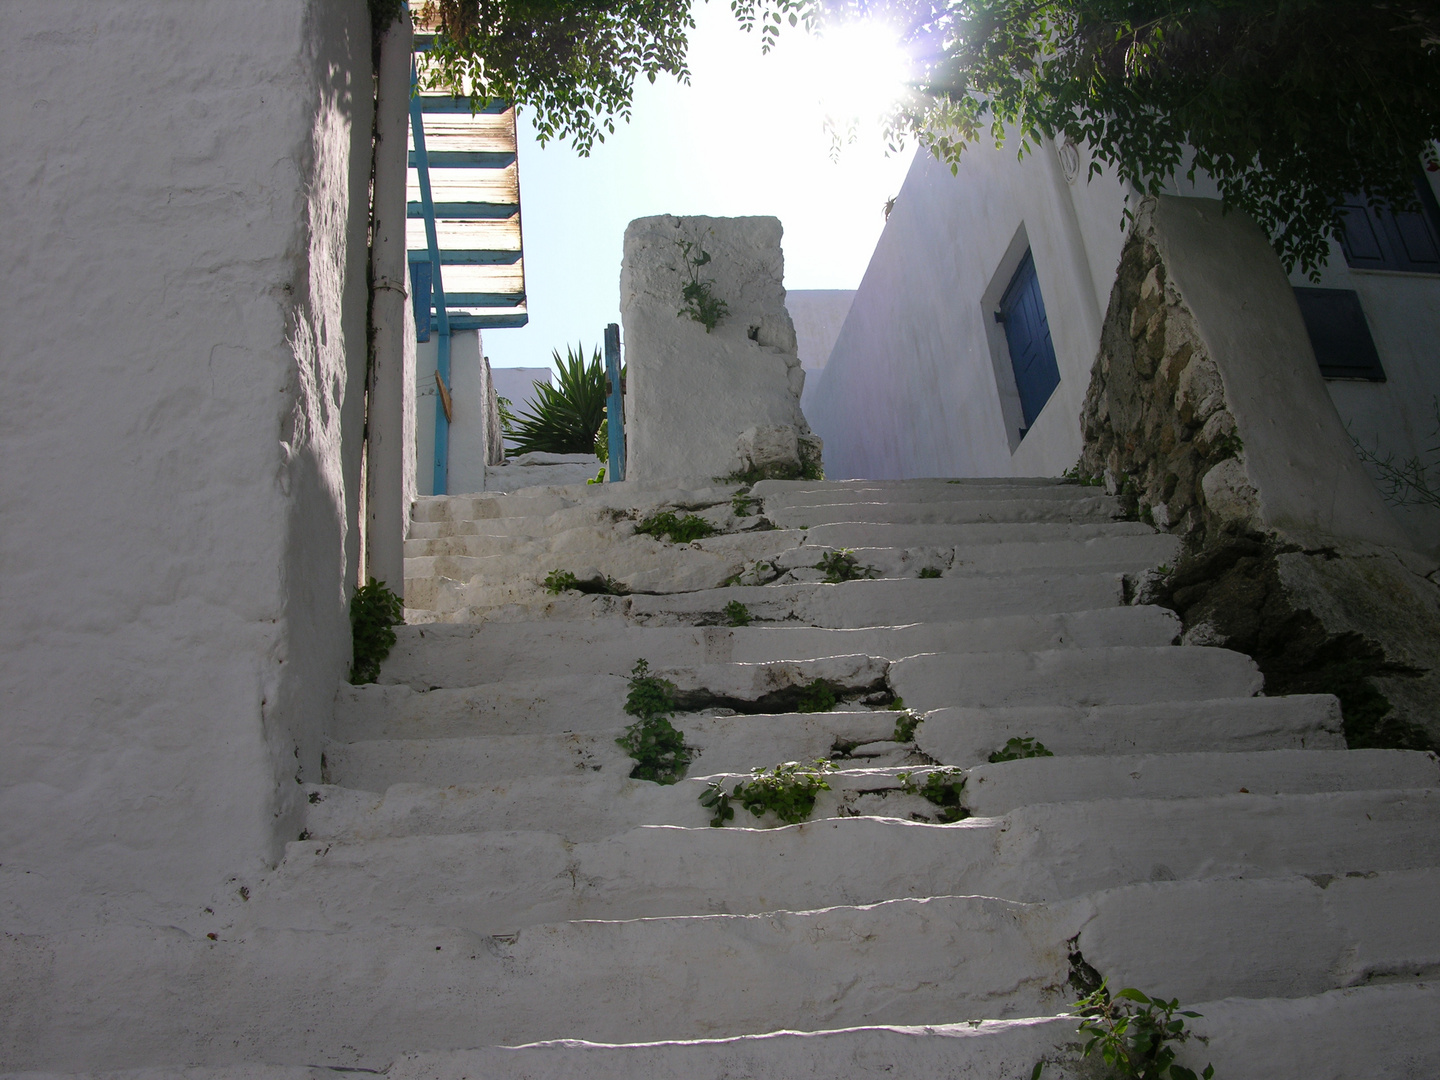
385,500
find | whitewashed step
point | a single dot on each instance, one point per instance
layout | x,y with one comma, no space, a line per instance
992,790
1090,507
359,998
892,603
588,801
583,805
1383,1032
497,882
921,491
470,655
1074,677
967,736
863,534
723,744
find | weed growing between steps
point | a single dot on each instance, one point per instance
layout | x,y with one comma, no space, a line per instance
736,614
374,610
558,581
788,790
658,748
666,524
929,572
905,725
1018,749
943,787
838,566
817,696
741,504
1135,1035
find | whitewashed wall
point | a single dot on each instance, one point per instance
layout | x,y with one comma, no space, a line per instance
469,381
518,384
184,193
818,315
917,382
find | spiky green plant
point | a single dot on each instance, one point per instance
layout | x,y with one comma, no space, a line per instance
566,417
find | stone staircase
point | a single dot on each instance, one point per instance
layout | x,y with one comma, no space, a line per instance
482,891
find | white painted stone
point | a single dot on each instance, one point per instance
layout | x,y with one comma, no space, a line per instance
1381,1031
967,736
1091,508
691,393
998,789
1073,677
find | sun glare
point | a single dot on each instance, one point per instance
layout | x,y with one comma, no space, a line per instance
857,70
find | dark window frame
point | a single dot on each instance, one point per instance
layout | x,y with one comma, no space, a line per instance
1375,237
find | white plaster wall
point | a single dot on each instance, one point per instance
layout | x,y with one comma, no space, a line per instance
183,301
518,384
1397,416
818,315
468,430
912,387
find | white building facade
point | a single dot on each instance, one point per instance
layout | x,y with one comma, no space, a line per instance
923,381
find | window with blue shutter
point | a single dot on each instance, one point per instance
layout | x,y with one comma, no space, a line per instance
1339,334
1380,238
1027,333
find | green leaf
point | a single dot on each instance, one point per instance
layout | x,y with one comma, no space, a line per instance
566,417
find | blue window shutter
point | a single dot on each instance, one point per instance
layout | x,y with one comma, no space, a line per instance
1339,334
1380,238
1027,332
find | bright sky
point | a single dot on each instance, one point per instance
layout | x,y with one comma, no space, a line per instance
746,137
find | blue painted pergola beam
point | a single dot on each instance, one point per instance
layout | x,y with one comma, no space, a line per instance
486,299
468,257
468,159
489,322
442,312
447,103
462,211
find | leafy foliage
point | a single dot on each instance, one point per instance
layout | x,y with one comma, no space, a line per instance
598,478
558,581
1018,749
1136,1034
680,530
818,696
905,725
842,565
658,748
736,614
699,299
374,609
789,790
741,503
1288,104
566,417
929,572
573,65
942,787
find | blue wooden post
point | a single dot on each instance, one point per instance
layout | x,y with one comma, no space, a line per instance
442,313
614,406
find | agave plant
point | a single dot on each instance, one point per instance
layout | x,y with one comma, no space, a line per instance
566,417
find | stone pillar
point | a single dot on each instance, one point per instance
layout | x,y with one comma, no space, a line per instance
721,401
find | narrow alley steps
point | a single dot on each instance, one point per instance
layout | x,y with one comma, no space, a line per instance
482,889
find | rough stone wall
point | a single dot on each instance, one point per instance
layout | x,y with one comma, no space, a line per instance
183,301
1155,420
1169,426
705,403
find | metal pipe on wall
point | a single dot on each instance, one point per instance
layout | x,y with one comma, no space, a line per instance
385,499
